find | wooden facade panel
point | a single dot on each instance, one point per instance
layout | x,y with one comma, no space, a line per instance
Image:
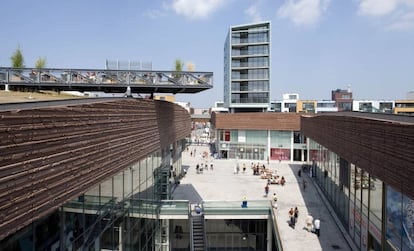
50,155
257,121
384,148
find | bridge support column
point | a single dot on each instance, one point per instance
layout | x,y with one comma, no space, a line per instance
6,87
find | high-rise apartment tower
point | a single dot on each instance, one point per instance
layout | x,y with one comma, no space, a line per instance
247,68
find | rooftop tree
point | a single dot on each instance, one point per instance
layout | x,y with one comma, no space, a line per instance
17,59
40,63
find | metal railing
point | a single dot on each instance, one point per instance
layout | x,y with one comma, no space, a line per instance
100,77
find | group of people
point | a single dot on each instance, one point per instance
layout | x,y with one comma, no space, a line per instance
293,216
204,159
312,226
258,169
201,167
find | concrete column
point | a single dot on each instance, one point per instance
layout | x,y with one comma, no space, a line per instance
268,145
120,238
291,145
269,234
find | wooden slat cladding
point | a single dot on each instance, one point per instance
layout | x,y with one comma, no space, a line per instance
257,121
384,148
50,155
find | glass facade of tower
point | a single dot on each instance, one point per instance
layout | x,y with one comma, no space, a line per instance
247,68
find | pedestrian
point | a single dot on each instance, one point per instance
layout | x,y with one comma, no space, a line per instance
267,189
197,168
244,202
238,168
291,218
309,222
317,225
244,167
211,165
282,181
304,184
274,200
296,214
191,153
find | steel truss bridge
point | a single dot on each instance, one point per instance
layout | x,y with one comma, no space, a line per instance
110,81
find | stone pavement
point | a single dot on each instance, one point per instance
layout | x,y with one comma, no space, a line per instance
221,184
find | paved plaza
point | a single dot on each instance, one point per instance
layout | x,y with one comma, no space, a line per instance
222,184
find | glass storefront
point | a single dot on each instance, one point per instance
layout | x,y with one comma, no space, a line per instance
399,220
360,200
117,213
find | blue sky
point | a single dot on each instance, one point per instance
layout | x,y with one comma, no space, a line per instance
317,45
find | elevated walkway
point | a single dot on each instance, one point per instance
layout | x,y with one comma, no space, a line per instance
170,209
111,81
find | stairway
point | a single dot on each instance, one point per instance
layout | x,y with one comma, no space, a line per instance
198,233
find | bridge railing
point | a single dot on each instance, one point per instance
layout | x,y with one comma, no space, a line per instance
102,76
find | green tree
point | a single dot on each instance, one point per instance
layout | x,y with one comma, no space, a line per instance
40,63
17,59
178,67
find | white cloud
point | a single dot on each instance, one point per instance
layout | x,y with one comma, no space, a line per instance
402,22
156,13
254,13
377,7
394,14
196,9
303,12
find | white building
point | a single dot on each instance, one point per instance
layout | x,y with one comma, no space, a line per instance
382,106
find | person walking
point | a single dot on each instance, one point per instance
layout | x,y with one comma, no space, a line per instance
283,181
317,225
309,222
244,202
291,218
267,190
304,184
274,200
296,215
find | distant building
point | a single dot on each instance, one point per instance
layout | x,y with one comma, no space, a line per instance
219,107
343,99
275,106
289,102
306,106
404,107
381,106
247,68
325,106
